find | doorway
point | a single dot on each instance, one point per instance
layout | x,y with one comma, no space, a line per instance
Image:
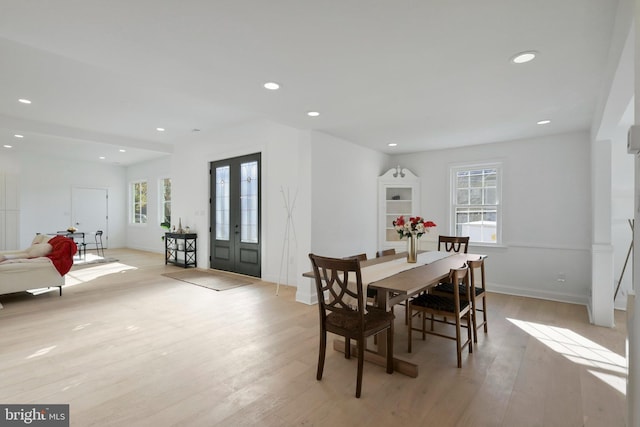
89,207
236,215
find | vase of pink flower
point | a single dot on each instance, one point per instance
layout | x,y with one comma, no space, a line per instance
412,228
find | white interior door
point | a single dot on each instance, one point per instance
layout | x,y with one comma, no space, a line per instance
89,207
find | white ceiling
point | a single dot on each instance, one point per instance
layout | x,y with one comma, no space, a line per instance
425,74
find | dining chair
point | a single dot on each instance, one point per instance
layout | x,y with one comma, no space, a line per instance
478,291
385,252
342,310
452,309
456,244
371,293
98,243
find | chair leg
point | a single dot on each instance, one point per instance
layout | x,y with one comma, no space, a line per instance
410,324
484,310
474,317
360,366
458,343
469,332
390,349
321,354
347,348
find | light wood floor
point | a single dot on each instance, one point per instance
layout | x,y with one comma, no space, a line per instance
134,348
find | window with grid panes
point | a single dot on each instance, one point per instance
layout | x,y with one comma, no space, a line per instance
476,203
139,202
165,202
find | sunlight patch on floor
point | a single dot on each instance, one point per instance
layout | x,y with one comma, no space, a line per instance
91,273
604,364
41,352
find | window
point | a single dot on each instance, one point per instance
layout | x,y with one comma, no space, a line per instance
165,202
475,196
139,202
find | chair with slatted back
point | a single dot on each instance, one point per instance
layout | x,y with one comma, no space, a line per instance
385,252
371,293
342,309
453,310
456,244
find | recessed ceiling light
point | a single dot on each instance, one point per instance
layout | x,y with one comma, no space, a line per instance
544,122
271,86
392,144
122,150
7,146
160,129
313,114
18,136
523,57
24,101
102,157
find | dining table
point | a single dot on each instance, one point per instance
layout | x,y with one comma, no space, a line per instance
396,280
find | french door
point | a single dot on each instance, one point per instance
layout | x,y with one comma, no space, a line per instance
235,214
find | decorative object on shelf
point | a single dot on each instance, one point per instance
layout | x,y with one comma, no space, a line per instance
180,230
72,229
399,172
413,229
396,197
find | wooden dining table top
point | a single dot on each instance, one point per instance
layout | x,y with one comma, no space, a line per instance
398,286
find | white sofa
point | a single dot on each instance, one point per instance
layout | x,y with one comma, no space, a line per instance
40,266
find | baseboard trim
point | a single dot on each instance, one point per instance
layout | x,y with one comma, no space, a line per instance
540,294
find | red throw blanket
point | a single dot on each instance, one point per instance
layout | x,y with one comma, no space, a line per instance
63,250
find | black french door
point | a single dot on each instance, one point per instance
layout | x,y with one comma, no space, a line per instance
235,214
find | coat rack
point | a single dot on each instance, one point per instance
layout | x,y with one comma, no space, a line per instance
290,228
631,224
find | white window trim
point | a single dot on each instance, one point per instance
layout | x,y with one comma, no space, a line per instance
161,198
495,164
131,203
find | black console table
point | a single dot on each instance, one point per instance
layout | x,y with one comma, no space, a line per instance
181,249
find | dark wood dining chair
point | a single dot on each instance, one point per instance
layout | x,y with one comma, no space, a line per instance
342,309
385,252
371,293
456,244
453,310
478,291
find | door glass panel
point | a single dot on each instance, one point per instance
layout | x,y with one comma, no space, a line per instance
222,203
249,202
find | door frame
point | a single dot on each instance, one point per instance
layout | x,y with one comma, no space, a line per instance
105,229
235,256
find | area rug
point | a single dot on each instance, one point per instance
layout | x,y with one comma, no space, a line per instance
209,279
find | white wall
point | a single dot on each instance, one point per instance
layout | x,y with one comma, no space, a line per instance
334,183
344,193
621,211
45,193
147,236
283,169
546,212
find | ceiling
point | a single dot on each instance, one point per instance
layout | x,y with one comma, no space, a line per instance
424,74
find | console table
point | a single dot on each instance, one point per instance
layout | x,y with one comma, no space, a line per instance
181,249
